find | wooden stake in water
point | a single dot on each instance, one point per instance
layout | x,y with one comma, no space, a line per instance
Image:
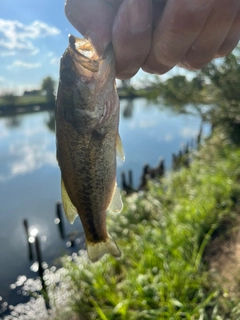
30,250
41,271
59,215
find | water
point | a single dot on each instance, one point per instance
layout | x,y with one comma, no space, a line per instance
30,178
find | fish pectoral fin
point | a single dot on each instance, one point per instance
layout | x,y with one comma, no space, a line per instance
120,150
69,209
116,204
99,249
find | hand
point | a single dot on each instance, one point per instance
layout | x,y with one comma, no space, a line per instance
156,35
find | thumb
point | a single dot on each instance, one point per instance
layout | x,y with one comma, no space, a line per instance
93,19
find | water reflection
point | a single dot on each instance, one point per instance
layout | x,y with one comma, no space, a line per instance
30,179
50,123
127,108
33,231
13,122
26,148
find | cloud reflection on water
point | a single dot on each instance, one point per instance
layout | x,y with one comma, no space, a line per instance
30,157
25,149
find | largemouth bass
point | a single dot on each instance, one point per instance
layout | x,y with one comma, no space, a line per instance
87,119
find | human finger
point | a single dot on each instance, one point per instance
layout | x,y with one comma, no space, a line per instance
232,38
93,19
212,35
131,36
179,27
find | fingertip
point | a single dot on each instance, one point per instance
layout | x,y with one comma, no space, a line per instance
131,36
191,66
227,47
155,67
126,75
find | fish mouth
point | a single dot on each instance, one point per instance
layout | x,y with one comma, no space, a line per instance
88,63
83,53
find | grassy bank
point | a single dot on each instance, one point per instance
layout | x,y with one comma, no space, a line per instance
23,101
163,235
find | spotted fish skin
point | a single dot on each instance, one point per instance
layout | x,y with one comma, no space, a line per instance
87,119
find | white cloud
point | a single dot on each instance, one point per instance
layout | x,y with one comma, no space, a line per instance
53,58
23,64
50,54
31,158
168,137
28,155
188,132
16,36
145,124
55,61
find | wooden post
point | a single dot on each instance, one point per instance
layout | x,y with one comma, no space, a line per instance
130,178
30,250
41,271
59,215
162,168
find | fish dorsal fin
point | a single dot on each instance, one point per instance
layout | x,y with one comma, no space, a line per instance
116,204
69,209
120,150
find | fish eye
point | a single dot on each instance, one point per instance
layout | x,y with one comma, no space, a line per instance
67,76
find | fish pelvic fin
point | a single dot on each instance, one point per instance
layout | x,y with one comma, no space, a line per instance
69,209
99,249
116,204
119,147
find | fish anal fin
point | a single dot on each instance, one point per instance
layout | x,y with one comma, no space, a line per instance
116,204
69,209
120,150
99,249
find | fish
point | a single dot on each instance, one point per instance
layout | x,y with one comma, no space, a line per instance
87,142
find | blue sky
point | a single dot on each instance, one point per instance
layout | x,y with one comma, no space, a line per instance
33,36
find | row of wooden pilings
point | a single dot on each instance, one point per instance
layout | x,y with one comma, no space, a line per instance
179,160
34,247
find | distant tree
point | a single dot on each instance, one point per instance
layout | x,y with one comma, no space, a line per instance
224,77
9,99
224,74
48,86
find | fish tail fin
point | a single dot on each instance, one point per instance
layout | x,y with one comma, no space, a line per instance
99,249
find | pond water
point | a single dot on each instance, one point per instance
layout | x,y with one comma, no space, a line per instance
30,179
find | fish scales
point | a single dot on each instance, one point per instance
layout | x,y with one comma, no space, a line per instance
87,118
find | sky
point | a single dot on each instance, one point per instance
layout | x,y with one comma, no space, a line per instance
33,36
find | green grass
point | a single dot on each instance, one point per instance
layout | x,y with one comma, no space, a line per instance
24,100
163,234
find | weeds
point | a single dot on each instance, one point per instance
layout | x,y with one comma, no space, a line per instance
163,234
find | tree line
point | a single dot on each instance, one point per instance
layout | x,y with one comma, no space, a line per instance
46,90
214,94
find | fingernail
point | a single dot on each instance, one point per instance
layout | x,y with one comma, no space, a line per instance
139,14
